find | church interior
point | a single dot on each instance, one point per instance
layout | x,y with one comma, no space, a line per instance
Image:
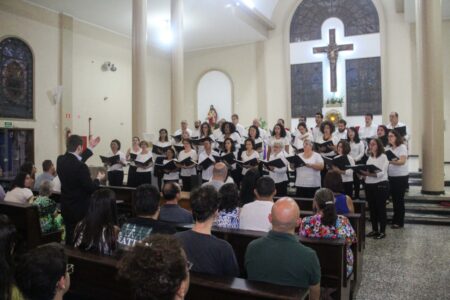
122,80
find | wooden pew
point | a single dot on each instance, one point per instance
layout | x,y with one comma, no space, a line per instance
26,219
95,277
124,198
331,254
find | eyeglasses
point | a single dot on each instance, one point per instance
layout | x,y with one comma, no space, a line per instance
70,268
189,265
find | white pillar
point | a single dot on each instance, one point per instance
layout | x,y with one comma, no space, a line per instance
139,67
177,97
430,79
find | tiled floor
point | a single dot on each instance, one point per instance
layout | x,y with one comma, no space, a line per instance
412,263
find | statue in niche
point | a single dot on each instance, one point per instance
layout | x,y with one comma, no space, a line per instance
212,116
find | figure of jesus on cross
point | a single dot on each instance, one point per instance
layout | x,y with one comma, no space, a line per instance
332,51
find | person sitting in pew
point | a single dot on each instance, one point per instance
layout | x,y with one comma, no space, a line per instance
326,224
43,273
49,217
219,176
343,203
228,216
254,215
8,235
97,232
20,189
171,211
248,185
49,172
157,268
207,253
279,257
146,204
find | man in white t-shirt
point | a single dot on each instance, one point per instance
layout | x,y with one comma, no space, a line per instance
341,132
255,215
369,131
184,128
239,128
317,134
394,123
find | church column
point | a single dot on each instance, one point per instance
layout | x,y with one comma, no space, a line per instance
177,97
430,79
139,67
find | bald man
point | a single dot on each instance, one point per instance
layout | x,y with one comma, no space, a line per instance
279,257
219,176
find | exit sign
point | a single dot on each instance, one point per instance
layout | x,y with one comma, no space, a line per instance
8,124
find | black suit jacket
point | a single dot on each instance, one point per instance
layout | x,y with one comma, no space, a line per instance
76,186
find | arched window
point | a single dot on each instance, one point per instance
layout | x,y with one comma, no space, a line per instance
16,79
214,88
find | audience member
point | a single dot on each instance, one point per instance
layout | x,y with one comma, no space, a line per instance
29,168
43,273
49,217
254,215
49,172
171,211
7,243
326,224
279,257
97,232
157,268
248,184
219,176
146,204
20,189
228,216
207,253
343,203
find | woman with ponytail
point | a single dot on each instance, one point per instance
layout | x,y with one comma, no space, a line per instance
326,224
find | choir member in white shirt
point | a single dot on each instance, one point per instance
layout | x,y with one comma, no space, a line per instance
20,189
190,170
229,131
327,129
205,131
249,154
278,136
279,175
382,135
172,175
316,132
302,135
343,149
357,152
253,133
341,132
308,179
115,171
239,128
217,133
158,154
196,130
289,135
263,134
369,131
184,128
207,153
135,149
144,174
229,147
394,123
377,189
398,175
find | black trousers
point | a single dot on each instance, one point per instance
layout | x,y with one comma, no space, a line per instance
348,189
115,178
306,192
356,185
398,185
131,181
281,188
376,196
143,178
187,183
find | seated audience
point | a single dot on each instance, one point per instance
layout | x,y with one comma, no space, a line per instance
157,268
327,224
228,216
29,168
207,253
254,215
343,203
20,189
97,232
279,257
49,217
7,242
146,204
49,172
171,211
248,184
43,273
219,176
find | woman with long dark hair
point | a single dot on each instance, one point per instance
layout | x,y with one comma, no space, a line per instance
327,224
7,244
20,191
115,171
229,149
159,153
98,231
357,153
278,136
135,150
187,171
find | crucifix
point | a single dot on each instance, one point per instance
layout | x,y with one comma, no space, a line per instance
332,51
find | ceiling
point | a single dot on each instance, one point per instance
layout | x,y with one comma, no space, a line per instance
207,23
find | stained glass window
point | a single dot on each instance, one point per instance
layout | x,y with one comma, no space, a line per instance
16,79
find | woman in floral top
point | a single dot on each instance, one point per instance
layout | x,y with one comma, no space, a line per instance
49,218
326,224
228,216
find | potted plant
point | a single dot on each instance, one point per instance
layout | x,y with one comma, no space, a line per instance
334,102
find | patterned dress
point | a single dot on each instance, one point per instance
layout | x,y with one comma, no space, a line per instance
312,227
49,220
228,219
